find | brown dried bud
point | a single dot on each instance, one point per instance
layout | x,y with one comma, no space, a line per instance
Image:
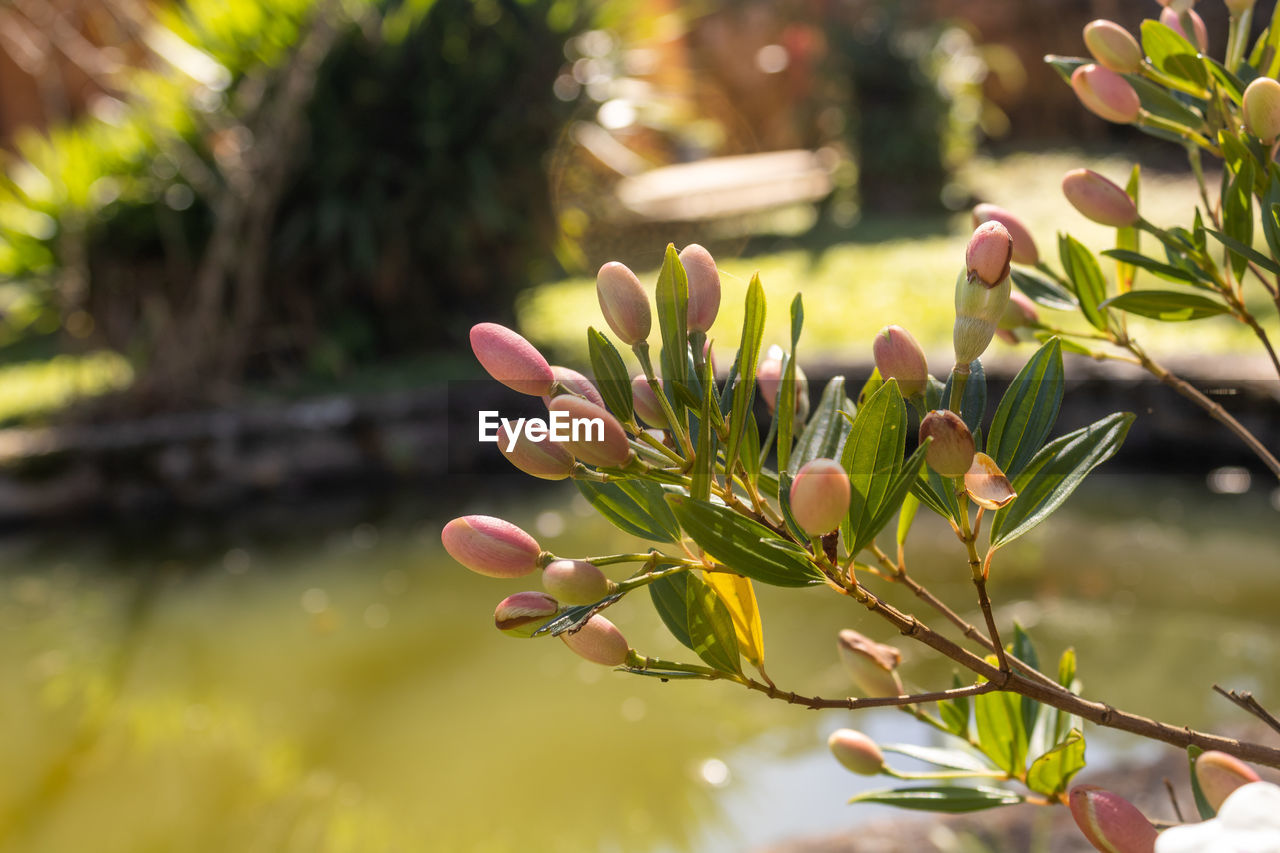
951,451
986,483
599,641
510,359
595,436
490,546
1098,199
1024,245
820,496
623,302
525,612
1113,46
1110,822
857,752
898,356
871,666
576,582
704,287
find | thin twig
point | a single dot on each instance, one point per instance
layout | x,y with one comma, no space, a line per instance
1244,699
1173,798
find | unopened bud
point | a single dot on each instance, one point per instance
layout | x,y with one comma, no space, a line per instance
595,436
544,459
1020,313
1261,109
1024,245
490,546
951,451
599,641
978,312
646,402
988,254
576,582
1170,18
986,483
1110,822
898,356
511,360
704,287
1113,46
525,612
769,381
871,666
1098,199
573,382
857,752
623,302
820,496
1106,94
1219,774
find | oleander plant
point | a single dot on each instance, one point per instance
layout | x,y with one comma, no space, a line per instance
825,494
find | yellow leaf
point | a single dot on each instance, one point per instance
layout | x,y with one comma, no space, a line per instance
740,598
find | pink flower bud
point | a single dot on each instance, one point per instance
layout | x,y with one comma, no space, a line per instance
511,359
978,312
599,641
624,302
576,582
1020,313
704,287
986,483
595,436
988,254
1106,94
1113,46
857,752
525,612
1171,19
544,459
871,666
1098,199
490,546
1024,245
820,496
1219,774
898,356
769,381
646,402
1110,822
573,382
951,451
1261,109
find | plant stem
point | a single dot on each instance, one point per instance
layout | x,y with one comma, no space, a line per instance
641,350
851,704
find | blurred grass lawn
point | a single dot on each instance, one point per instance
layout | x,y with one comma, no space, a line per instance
851,290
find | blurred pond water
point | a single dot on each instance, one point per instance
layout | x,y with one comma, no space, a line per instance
340,686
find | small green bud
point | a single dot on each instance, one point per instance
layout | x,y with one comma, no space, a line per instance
1098,199
1261,109
623,302
857,752
525,612
646,402
1106,94
704,287
599,641
978,312
872,666
988,254
571,381
511,359
1024,245
986,483
490,546
576,582
1020,313
898,356
1170,18
820,496
543,459
1110,822
1113,46
596,436
951,451
1220,774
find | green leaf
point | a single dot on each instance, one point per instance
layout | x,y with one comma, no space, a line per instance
610,375
747,361
872,457
667,674
952,759
1247,251
898,492
973,402
750,454
1237,205
1027,410
784,411
825,434
1127,237
737,542
955,712
669,600
1167,305
1043,290
705,453
1173,54
572,618
1052,772
1203,807
637,507
1060,722
1231,84
1168,272
711,626
1055,472
871,386
1159,101
672,299
1082,270
1064,65
797,320
1025,651
952,799
1000,731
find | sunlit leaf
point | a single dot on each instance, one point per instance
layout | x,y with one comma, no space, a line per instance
872,458
710,626
825,434
1051,773
951,799
610,375
637,507
1028,410
952,759
741,544
739,597
1167,305
748,359
1001,734
1043,290
1082,271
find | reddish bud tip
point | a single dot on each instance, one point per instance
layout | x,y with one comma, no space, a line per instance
576,581
898,356
820,496
857,752
704,287
1113,46
1110,822
490,546
595,436
623,302
1024,245
951,451
988,254
599,641
525,612
511,360
1106,94
1098,199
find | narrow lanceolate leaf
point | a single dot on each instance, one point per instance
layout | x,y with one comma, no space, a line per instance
743,545
672,300
1205,810
955,712
1051,773
1127,238
952,759
1082,270
1043,290
1028,410
1025,651
744,390
1055,472
871,386
1247,251
1173,54
873,457
1168,272
611,375
825,433
711,626
1237,209
784,412
705,454
899,492
668,596
750,453
1159,101
973,402
739,596
797,320
907,514
1001,734
1061,722
637,507
951,799
1167,305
